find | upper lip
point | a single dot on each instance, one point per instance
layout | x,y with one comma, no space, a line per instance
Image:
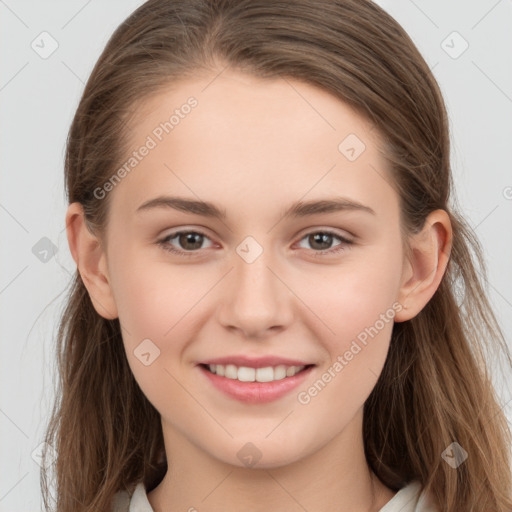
255,362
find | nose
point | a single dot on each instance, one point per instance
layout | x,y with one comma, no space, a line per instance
255,300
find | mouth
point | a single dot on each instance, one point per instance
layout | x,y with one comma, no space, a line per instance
255,385
251,374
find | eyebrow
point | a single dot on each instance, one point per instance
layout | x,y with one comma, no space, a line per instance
297,209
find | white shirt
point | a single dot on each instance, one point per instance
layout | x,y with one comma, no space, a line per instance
407,499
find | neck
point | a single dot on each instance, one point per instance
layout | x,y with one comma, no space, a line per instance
336,477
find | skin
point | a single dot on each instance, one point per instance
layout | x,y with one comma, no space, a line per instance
253,147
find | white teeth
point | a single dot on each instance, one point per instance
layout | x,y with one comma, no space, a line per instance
246,374
279,372
289,371
231,371
265,374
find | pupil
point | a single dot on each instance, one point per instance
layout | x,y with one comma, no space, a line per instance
185,238
324,237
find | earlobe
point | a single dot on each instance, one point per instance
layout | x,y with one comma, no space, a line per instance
90,258
426,264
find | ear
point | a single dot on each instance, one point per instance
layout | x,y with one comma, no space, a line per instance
90,258
426,264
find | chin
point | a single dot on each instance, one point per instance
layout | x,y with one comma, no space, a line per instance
263,454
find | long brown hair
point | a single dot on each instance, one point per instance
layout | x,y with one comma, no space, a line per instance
435,388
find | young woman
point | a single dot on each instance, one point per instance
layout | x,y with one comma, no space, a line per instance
266,313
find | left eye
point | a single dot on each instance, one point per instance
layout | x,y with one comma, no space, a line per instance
325,238
192,240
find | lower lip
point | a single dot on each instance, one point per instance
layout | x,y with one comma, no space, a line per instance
256,392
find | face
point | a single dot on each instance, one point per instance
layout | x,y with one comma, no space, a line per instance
317,286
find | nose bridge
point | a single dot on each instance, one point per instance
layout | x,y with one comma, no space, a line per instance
255,283
257,298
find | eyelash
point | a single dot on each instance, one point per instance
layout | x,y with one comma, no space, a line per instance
164,243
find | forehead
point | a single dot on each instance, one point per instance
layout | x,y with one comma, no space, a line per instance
251,143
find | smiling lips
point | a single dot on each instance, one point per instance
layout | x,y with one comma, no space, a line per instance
261,369
255,380
248,374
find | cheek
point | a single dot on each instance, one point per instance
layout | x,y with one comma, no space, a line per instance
359,310
157,306
358,306
158,301
355,295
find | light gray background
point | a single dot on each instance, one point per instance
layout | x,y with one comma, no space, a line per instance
38,97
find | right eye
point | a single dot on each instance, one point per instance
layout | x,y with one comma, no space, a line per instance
184,238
